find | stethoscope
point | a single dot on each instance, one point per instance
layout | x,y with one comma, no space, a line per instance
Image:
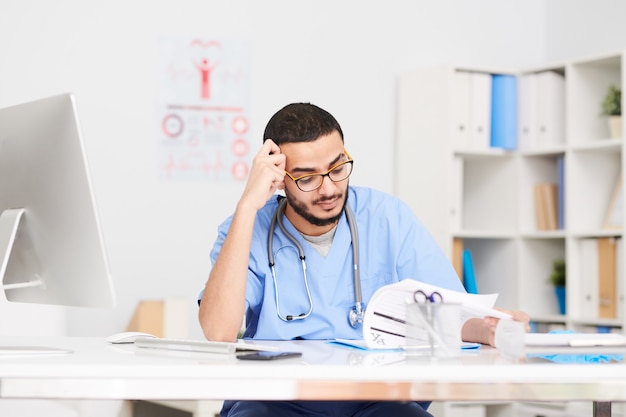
355,315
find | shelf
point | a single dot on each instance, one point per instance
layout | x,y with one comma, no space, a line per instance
485,234
484,154
589,234
549,319
602,144
548,234
595,322
554,150
588,83
486,197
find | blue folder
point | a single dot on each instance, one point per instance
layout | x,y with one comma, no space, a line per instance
504,111
469,279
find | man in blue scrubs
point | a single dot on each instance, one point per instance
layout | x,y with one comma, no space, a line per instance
304,155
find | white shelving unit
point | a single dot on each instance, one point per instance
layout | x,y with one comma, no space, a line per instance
484,196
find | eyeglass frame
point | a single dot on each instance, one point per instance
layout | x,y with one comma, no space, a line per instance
324,174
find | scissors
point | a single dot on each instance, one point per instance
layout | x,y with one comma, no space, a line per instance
425,303
421,297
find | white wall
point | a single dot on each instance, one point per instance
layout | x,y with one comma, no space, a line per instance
582,28
342,55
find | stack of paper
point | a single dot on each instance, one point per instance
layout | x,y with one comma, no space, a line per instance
384,324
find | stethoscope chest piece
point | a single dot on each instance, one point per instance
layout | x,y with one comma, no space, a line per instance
355,316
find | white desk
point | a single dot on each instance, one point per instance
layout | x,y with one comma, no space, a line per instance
97,370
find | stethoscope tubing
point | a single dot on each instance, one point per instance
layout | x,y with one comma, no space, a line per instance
355,315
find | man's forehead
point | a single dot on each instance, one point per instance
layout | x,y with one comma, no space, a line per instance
313,158
321,148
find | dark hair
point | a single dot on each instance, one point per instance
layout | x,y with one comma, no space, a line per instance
300,122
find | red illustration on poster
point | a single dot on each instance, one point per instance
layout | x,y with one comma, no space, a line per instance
204,109
204,58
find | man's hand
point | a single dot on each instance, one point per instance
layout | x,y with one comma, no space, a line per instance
223,302
492,322
484,330
267,175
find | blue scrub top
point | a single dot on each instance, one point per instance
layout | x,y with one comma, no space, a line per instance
394,245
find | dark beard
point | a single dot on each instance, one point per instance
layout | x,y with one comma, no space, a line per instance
316,221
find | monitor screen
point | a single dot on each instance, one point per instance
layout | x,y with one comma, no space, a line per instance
51,247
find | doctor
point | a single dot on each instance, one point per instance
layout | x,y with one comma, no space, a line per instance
305,265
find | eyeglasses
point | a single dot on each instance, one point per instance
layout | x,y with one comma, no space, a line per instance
311,182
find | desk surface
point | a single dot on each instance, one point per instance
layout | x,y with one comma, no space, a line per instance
98,370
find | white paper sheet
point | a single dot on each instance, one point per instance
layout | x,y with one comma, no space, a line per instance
384,324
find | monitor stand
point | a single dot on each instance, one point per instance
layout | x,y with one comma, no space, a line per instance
9,225
9,239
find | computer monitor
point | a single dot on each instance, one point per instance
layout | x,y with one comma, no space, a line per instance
51,246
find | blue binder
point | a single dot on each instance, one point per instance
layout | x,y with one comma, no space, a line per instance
504,111
560,163
469,279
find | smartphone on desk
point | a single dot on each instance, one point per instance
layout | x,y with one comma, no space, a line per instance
267,356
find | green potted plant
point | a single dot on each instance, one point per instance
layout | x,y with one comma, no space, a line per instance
612,108
558,279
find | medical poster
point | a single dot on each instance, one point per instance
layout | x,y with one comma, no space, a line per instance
204,109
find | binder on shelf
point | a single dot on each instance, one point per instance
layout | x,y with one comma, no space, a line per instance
469,278
457,257
550,102
600,267
614,217
461,107
504,112
550,193
546,206
527,111
540,208
607,278
589,277
480,111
